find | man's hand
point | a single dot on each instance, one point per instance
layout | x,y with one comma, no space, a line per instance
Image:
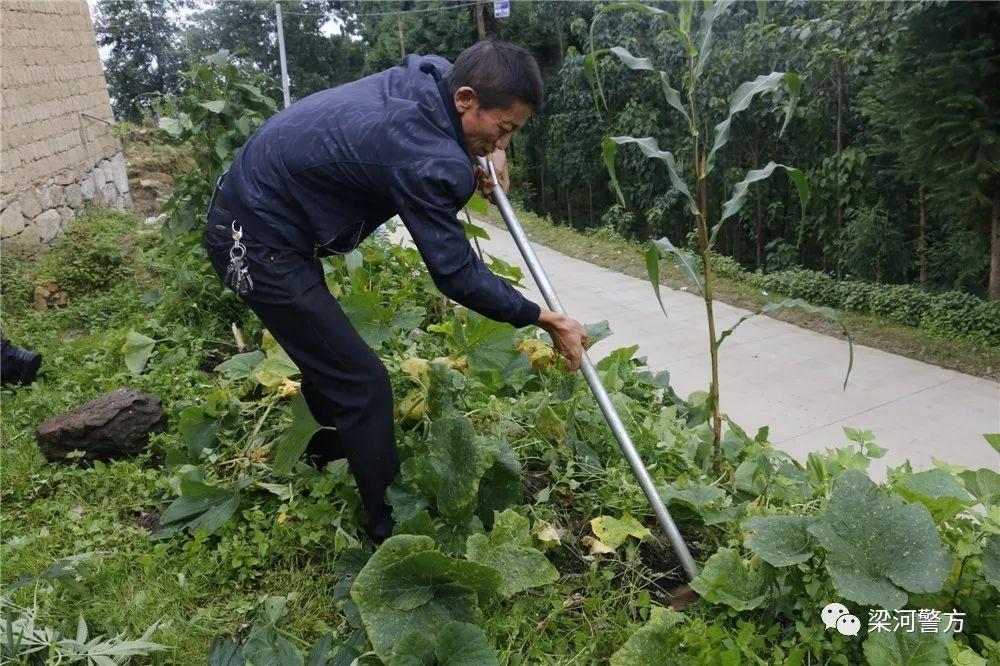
483,180
568,335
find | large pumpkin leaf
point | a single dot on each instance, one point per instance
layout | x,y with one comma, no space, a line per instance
461,644
137,350
457,459
196,430
375,323
936,489
878,547
983,483
710,503
492,351
415,649
501,486
726,580
780,541
902,648
407,586
651,642
458,644
241,365
273,371
991,561
508,549
348,566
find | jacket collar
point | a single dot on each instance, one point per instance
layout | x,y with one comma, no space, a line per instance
449,103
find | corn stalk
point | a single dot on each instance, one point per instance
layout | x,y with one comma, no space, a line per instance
698,47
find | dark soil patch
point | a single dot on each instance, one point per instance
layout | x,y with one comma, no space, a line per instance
210,360
149,521
533,481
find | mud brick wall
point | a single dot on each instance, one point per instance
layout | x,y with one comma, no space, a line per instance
53,161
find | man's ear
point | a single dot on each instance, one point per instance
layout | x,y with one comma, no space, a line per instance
466,99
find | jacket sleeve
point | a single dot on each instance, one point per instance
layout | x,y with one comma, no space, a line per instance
427,195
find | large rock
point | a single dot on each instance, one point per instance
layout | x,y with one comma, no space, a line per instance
26,244
48,224
120,173
66,215
88,189
114,425
11,220
74,195
100,175
109,193
30,206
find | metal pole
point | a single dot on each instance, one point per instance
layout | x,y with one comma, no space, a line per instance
596,387
281,52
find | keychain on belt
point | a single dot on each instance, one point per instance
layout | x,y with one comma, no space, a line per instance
238,274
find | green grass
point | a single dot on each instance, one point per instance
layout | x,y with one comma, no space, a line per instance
606,248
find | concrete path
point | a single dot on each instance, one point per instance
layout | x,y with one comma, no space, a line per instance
777,374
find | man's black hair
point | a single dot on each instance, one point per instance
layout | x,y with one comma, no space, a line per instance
499,72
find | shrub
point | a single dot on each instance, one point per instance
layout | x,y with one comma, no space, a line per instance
872,246
14,287
813,286
620,219
95,252
726,266
955,313
901,303
858,295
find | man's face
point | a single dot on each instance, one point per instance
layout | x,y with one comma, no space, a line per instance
487,130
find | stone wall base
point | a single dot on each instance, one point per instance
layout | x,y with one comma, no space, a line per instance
30,220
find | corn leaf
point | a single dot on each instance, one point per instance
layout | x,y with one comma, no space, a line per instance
742,98
735,202
650,149
672,96
704,38
653,271
684,262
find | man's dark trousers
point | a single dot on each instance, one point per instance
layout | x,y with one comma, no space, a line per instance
343,381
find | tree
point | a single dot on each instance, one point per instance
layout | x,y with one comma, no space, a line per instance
145,58
247,29
934,106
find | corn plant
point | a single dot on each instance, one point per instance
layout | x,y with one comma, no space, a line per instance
697,47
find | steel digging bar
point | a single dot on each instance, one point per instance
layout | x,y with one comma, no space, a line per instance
596,387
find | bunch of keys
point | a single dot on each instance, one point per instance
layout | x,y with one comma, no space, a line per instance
238,274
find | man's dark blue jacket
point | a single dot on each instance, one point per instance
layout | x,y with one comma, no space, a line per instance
323,174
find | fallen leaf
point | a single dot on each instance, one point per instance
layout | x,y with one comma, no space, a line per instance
595,546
